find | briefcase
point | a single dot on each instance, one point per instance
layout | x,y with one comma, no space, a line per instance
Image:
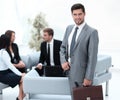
88,93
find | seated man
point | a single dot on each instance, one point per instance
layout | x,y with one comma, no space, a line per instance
49,51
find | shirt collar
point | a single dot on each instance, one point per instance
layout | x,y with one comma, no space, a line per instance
81,25
51,42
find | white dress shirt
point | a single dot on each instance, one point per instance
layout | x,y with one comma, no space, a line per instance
51,52
5,62
80,27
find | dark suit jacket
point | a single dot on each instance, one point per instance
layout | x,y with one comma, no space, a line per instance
16,58
56,55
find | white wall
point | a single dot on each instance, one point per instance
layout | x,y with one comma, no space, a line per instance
101,14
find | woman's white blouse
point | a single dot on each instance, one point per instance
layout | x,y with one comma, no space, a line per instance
5,62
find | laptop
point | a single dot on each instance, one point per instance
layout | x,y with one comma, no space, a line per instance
53,71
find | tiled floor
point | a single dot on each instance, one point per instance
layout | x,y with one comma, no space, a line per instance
11,94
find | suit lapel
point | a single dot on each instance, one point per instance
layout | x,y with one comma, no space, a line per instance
54,44
45,46
69,31
80,36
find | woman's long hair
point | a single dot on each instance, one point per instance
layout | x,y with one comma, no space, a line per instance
4,41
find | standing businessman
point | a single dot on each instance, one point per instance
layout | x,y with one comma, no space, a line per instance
79,49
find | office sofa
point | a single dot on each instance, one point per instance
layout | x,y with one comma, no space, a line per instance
57,88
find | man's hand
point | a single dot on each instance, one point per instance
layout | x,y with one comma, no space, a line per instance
65,66
87,82
39,66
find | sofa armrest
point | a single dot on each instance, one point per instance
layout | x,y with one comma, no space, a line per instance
103,64
46,85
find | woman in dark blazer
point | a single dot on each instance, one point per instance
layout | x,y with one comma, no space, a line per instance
13,51
8,73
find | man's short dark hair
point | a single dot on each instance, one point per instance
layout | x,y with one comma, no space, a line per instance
78,6
4,41
49,31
